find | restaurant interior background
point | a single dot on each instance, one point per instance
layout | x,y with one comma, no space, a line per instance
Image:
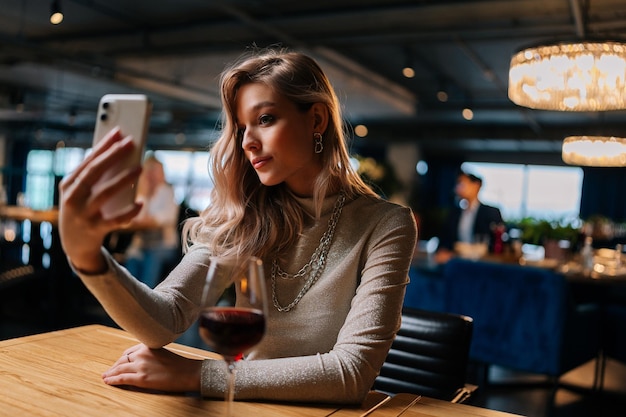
453,107
424,86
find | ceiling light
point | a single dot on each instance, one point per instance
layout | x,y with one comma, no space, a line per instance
599,151
408,72
56,15
360,131
570,76
409,69
467,113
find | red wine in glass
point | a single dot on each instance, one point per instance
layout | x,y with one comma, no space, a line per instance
230,331
234,326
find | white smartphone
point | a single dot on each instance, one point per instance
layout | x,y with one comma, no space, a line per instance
131,112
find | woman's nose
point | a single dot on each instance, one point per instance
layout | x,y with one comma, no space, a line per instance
248,141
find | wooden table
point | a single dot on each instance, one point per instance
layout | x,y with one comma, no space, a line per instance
59,373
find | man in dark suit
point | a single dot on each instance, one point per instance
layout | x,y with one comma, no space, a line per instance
468,222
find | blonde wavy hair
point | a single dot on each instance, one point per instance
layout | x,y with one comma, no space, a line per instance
244,216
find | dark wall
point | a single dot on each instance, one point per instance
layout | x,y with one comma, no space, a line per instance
604,193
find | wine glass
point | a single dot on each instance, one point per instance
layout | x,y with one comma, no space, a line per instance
232,324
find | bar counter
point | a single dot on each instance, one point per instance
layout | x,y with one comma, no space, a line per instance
59,373
19,213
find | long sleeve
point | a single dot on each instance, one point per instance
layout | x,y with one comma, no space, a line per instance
156,317
330,347
486,217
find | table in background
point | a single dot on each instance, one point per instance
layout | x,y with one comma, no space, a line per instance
59,373
36,230
34,267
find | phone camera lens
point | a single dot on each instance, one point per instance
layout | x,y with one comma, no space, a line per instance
105,105
103,116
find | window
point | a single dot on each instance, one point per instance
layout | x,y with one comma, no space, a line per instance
40,186
186,171
546,192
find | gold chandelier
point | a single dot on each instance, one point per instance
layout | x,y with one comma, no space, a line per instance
570,76
600,151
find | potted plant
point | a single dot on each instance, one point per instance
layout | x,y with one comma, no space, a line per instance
551,234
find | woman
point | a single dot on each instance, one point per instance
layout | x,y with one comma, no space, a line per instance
282,180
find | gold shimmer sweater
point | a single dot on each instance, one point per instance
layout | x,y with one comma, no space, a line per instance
330,346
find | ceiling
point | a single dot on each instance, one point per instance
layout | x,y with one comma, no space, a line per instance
51,77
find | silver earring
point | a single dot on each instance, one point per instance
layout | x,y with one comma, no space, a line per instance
319,146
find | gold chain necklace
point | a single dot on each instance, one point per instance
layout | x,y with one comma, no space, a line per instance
316,264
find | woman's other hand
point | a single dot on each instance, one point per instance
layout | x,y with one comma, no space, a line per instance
81,226
156,369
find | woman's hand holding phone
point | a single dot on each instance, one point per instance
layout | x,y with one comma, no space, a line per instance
82,227
98,197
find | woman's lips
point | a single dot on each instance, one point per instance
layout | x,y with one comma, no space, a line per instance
260,162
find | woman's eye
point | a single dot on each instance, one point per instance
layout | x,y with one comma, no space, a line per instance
265,119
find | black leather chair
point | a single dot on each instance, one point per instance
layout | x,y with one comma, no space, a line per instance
429,356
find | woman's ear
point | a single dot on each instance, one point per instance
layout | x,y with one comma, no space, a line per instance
320,117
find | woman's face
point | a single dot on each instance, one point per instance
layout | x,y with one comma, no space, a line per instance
277,138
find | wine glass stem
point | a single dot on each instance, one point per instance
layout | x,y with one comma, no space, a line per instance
230,387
